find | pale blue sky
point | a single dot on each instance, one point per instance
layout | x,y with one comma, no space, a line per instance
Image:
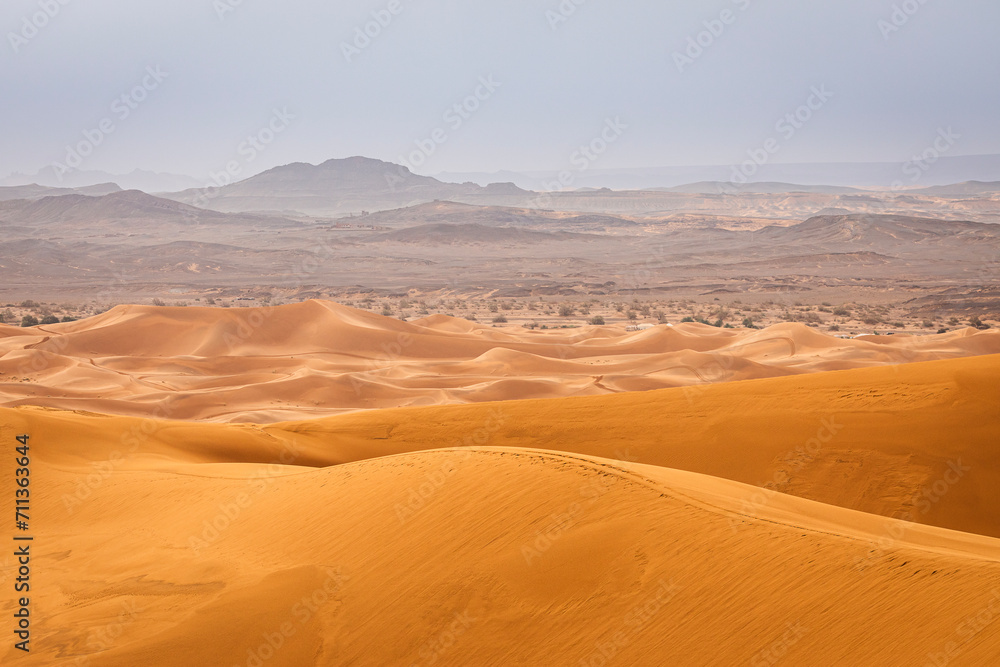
225,76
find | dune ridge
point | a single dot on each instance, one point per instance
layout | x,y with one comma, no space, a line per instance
516,556
319,358
815,517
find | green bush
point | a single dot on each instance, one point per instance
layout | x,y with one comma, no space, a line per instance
29,321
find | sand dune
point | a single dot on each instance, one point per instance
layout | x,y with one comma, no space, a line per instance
481,555
713,523
319,358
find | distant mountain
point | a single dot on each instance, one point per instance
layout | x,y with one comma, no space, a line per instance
493,216
35,191
966,188
725,187
947,169
461,234
882,233
137,179
131,208
339,187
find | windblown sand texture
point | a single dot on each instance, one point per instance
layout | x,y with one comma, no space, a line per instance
705,521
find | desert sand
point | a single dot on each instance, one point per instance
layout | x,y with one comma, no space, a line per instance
316,358
713,523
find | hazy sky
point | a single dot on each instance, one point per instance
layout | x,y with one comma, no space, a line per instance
559,77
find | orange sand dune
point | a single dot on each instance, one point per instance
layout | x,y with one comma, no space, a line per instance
712,523
894,441
319,358
370,538
481,556
872,439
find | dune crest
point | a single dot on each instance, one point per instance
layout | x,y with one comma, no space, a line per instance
319,358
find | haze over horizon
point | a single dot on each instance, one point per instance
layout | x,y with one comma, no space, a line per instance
563,333
200,77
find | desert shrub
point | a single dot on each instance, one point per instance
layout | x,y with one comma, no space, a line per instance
500,319
597,321
748,323
29,321
158,302
942,330
834,327
688,319
67,318
28,303
566,310
49,319
632,315
841,312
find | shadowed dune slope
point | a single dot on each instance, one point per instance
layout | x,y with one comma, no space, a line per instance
896,441
508,533
511,556
319,358
913,441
